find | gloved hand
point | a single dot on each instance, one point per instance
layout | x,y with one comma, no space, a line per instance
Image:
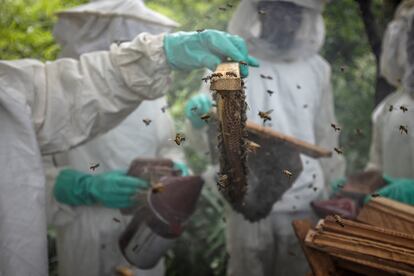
398,189
112,189
182,167
197,106
209,48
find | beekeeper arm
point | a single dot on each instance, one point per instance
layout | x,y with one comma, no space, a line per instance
333,167
72,101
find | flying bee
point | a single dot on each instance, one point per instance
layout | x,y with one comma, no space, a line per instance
200,30
338,220
269,78
305,106
270,92
158,188
231,74
116,220
265,115
222,8
252,146
222,181
287,173
338,151
229,5
164,108
147,121
206,79
205,117
359,132
391,108
403,108
218,75
375,195
298,86
335,127
262,12
403,129
263,76
179,138
94,167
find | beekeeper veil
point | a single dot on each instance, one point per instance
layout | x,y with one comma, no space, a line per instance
280,29
97,25
394,45
409,73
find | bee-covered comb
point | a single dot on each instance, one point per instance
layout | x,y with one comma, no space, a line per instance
231,114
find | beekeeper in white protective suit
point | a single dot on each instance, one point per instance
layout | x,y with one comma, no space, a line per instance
392,150
87,236
286,37
51,107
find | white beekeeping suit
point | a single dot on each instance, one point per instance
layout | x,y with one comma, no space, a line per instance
391,148
87,236
51,107
287,47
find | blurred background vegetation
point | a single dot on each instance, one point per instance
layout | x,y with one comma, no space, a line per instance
25,32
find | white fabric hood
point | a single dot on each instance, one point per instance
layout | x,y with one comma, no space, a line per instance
309,35
96,25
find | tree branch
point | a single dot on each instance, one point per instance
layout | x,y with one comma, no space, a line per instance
371,27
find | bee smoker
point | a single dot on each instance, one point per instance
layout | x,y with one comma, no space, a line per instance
156,225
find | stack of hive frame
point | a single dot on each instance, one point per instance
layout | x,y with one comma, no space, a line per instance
380,243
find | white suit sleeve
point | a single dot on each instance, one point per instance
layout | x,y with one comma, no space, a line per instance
334,167
72,101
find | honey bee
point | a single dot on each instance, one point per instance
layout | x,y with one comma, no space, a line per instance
205,117
305,106
338,150
179,138
147,121
206,79
265,115
158,188
403,129
269,78
222,8
338,220
164,108
336,128
262,12
359,132
287,173
270,92
218,75
243,63
94,167
231,74
403,108
375,195
200,30
252,146
222,181
229,5
116,220
263,76
298,86
391,108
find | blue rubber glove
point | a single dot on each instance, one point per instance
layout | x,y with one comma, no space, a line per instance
398,189
209,48
182,167
112,189
197,106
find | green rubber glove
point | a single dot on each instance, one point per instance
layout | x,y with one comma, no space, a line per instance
398,189
182,167
111,189
209,48
197,106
